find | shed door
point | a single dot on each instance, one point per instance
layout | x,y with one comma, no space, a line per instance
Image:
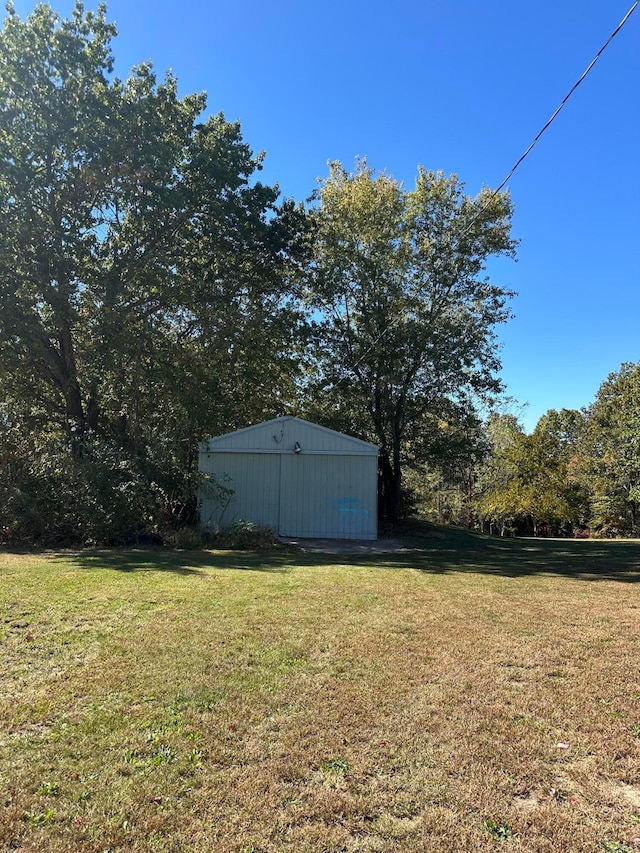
325,496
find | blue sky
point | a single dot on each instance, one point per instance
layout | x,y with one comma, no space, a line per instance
455,85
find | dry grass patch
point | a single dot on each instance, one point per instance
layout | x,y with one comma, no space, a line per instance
445,699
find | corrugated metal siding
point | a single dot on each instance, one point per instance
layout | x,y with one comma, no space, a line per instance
328,496
255,480
328,489
314,438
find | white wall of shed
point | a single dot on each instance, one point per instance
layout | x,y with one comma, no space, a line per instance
255,480
314,495
331,497
281,434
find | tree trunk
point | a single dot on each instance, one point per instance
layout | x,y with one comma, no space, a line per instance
63,374
74,418
74,410
391,488
469,483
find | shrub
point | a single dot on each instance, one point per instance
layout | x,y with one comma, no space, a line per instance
245,535
187,539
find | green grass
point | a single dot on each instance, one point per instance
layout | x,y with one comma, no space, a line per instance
469,694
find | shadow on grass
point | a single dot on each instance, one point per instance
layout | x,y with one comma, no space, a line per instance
580,559
447,551
178,562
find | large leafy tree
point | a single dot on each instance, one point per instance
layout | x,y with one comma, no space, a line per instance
405,315
610,457
145,275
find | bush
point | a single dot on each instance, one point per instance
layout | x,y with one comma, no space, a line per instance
49,498
187,539
244,536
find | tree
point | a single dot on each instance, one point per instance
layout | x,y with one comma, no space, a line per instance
529,481
145,274
454,446
498,501
404,316
611,453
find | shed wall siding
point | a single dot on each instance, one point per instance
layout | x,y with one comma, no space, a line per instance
327,496
255,480
281,434
326,487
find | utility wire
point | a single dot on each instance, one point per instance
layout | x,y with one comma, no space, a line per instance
517,164
566,98
524,156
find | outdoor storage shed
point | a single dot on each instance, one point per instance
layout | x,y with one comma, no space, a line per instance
297,478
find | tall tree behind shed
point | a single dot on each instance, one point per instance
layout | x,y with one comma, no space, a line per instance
405,316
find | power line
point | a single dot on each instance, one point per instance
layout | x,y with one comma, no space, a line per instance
514,168
570,93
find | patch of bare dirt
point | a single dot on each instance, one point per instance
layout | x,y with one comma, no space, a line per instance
346,546
630,794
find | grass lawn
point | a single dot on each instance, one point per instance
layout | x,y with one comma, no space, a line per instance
471,694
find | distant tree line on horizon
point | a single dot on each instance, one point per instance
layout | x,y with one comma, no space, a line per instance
576,474
154,292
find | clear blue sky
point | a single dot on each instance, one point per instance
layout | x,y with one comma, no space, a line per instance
455,85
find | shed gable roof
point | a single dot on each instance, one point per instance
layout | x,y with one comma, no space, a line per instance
281,435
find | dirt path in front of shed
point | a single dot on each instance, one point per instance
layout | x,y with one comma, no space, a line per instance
346,546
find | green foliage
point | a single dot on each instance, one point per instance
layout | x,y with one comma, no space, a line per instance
147,284
219,493
244,536
339,766
241,536
444,488
405,316
187,539
50,789
500,832
610,454
38,818
528,483
47,497
615,847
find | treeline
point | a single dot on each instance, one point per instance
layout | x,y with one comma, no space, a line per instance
154,292
576,474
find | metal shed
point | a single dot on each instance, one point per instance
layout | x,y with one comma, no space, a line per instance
296,477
